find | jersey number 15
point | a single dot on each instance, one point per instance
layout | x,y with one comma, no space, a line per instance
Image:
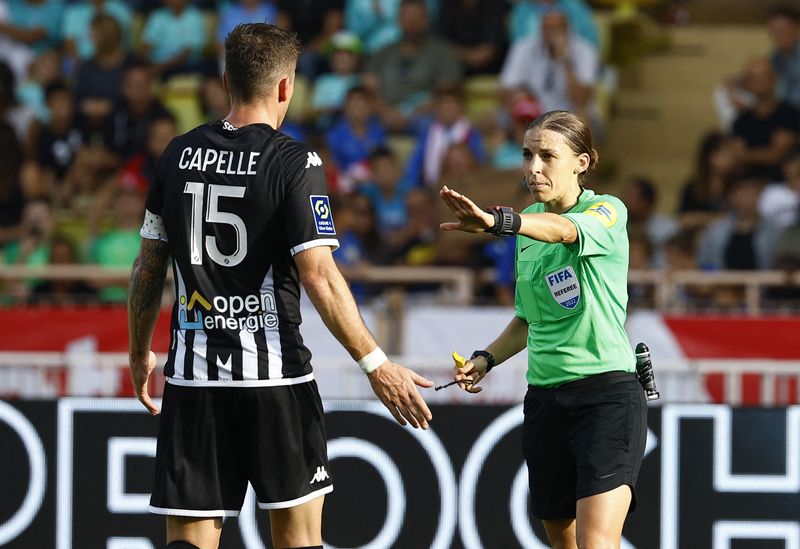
213,215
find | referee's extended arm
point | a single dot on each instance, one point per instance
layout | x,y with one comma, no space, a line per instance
393,384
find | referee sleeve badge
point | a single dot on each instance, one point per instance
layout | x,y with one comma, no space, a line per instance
603,211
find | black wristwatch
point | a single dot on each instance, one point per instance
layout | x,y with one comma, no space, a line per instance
507,222
487,355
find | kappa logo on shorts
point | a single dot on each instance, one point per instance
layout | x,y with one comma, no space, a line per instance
564,287
604,211
320,475
323,218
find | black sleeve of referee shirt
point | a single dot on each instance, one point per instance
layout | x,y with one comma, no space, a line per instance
309,219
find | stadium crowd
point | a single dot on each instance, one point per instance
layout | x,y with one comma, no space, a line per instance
399,97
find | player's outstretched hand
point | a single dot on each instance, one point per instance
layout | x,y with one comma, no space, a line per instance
471,218
470,374
396,387
140,374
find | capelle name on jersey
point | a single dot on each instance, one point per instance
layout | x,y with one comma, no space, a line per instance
223,162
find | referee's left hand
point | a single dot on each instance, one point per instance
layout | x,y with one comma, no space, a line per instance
470,374
396,387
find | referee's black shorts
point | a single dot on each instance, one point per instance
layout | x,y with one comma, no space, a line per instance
583,438
213,440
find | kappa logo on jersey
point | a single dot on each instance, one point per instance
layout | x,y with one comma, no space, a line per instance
323,218
565,287
252,313
604,211
313,160
320,475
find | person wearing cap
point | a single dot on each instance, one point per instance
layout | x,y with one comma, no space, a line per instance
522,111
330,89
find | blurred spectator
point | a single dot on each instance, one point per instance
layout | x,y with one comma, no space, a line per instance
132,117
780,201
375,21
360,243
526,18
742,240
78,25
356,135
140,170
174,36
33,23
784,31
681,255
385,191
508,156
119,245
404,73
414,244
476,28
242,11
63,291
19,116
214,99
330,89
17,55
768,129
44,70
558,67
58,142
704,193
31,246
98,79
314,21
640,197
640,258
450,126
500,252
12,198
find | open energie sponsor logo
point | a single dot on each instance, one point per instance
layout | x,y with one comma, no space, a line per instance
251,312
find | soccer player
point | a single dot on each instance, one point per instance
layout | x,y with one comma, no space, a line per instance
243,211
585,413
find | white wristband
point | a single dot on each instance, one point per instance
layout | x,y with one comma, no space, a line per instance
371,361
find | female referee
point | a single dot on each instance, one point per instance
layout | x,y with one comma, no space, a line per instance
585,413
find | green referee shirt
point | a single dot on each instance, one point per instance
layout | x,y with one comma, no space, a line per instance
573,296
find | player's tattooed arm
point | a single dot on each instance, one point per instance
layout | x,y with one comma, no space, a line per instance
146,288
144,301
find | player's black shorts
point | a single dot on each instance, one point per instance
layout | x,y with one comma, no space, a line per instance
583,438
213,440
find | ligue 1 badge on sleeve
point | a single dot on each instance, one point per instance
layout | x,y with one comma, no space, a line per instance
323,217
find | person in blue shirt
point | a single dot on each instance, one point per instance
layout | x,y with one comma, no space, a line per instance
174,37
375,21
526,19
386,191
243,11
357,133
330,88
34,23
78,17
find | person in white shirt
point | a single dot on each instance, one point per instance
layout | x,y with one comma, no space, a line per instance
558,67
780,202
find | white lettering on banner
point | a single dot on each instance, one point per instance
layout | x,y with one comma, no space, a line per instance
129,543
37,482
724,480
222,162
119,448
724,532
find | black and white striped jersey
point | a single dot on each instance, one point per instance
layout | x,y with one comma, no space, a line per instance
235,206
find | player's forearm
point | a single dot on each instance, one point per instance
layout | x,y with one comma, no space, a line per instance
144,299
548,227
511,341
331,297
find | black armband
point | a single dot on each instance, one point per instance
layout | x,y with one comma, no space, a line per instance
487,355
506,221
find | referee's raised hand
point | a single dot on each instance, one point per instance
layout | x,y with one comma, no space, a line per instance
396,387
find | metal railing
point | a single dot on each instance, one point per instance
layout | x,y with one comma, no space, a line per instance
458,283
